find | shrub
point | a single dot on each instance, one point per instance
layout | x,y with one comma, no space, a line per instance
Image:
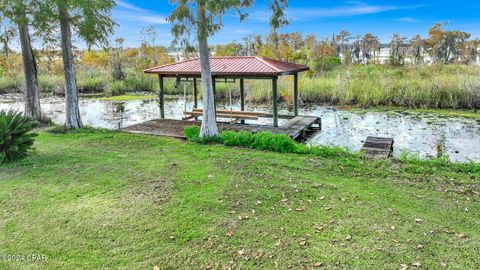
9,84
192,133
91,85
52,84
117,88
232,138
15,135
326,63
139,83
273,142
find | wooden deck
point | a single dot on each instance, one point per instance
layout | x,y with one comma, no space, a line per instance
296,128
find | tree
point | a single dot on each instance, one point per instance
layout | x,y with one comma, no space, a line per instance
205,18
19,12
416,47
117,67
397,49
370,45
343,38
7,33
92,22
443,45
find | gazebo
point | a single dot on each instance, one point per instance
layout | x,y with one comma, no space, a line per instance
232,68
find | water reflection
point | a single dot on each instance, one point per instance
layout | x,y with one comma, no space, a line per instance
424,134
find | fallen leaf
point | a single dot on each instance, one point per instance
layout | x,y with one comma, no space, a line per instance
322,198
258,202
303,243
318,264
278,243
156,268
392,228
418,220
318,228
230,233
403,266
299,209
328,208
461,235
443,264
416,264
241,252
348,238
420,246
285,200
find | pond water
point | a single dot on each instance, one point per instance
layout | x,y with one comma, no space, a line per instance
422,134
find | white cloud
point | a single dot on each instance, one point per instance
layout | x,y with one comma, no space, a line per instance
408,19
126,13
354,8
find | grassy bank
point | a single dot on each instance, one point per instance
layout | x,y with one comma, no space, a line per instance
97,199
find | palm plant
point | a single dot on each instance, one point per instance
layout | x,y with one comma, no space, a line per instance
16,137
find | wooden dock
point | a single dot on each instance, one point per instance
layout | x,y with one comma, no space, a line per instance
296,128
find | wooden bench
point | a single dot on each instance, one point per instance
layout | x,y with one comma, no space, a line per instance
235,116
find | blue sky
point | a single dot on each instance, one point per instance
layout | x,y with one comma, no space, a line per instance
319,17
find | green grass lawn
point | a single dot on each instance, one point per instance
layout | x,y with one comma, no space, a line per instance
107,200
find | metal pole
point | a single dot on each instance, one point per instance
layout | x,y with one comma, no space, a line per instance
275,99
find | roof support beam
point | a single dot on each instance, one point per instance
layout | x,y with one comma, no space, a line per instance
195,93
275,100
242,96
214,85
161,100
295,93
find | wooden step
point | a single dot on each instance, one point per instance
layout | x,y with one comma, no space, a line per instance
378,147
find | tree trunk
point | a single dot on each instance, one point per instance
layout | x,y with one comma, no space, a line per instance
72,119
209,124
32,91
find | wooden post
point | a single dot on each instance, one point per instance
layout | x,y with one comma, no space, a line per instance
295,93
214,94
161,101
242,95
275,99
195,94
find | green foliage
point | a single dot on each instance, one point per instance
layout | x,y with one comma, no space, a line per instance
117,88
58,129
192,133
9,84
52,84
139,83
91,85
273,142
326,63
232,138
15,135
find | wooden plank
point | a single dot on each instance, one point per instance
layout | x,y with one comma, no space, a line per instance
378,147
227,115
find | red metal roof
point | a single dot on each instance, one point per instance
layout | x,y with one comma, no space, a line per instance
248,66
